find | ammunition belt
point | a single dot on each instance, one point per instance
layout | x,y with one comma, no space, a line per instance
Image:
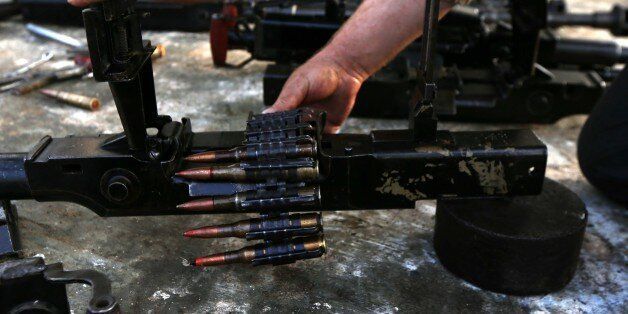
300,124
278,160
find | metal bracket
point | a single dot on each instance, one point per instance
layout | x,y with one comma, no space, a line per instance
30,286
10,245
102,302
423,120
120,56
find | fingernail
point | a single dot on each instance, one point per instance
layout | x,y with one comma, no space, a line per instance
269,110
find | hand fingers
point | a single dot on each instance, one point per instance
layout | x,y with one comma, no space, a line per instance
309,84
339,106
332,129
292,94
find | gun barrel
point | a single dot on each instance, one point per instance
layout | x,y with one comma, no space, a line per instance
13,179
615,20
586,52
581,19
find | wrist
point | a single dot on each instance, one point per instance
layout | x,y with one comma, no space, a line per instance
340,58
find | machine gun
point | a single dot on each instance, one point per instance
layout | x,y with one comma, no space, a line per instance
280,164
180,15
482,53
28,285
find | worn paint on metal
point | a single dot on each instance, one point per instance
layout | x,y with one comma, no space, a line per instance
393,186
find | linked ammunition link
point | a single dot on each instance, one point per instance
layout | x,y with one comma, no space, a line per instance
289,251
285,226
278,158
281,126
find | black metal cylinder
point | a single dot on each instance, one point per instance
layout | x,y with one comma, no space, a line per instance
13,179
585,52
522,246
600,20
615,21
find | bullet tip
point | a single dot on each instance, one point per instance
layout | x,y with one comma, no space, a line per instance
191,234
198,205
211,260
94,104
204,232
195,174
201,157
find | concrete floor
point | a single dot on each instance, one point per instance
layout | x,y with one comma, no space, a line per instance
377,262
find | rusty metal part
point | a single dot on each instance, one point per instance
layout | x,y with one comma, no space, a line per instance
268,253
80,101
219,33
34,85
281,226
236,173
47,79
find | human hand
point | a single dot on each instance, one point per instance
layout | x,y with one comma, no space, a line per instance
325,83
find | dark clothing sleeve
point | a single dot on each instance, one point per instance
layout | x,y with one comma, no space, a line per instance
603,143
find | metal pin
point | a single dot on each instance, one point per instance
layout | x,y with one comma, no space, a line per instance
44,58
76,100
55,36
34,85
50,78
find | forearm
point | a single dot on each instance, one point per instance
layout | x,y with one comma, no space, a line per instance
376,33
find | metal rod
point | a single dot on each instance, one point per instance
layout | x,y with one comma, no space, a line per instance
423,121
55,36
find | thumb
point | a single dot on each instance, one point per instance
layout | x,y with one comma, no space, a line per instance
292,95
